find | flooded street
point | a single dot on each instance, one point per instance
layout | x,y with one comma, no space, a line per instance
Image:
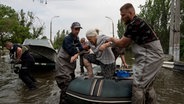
169,87
13,90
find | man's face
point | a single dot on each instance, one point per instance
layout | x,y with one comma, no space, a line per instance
8,46
125,16
82,40
92,39
75,31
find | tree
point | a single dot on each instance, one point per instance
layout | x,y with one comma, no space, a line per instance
121,28
27,21
58,39
8,21
43,37
17,26
157,14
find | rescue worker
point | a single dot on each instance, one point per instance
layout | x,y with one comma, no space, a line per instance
148,54
66,60
20,54
120,53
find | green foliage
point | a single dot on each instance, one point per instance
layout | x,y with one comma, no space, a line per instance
26,20
43,37
58,39
121,28
156,13
8,21
17,27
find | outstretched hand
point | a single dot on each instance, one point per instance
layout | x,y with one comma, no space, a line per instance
86,47
104,46
74,58
126,66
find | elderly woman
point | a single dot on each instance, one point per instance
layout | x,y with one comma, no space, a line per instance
103,57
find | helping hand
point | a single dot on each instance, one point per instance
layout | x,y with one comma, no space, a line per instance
104,46
74,58
86,47
125,65
17,61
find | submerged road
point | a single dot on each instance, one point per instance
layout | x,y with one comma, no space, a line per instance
169,87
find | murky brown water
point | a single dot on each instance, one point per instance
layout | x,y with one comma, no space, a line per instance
169,87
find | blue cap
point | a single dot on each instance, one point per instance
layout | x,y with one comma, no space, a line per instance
76,25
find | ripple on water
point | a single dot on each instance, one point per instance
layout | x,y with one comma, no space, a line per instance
169,87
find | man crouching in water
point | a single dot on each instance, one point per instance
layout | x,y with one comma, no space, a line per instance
21,55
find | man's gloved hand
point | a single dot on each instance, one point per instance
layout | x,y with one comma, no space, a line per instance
17,61
16,70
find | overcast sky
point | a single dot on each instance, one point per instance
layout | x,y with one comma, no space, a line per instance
90,13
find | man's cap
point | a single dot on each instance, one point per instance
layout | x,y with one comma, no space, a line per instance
76,25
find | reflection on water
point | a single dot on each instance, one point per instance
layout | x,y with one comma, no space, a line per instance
169,87
13,90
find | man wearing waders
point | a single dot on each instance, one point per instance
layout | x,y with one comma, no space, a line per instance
20,54
148,54
66,60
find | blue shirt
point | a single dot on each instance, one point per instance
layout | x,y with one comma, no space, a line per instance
72,44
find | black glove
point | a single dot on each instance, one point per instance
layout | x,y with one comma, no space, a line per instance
16,71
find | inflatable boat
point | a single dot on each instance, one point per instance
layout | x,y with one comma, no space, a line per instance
98,90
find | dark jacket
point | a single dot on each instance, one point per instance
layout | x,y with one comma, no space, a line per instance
72,45
26,59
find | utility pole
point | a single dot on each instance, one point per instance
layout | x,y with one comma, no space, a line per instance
177,32
171,38
174,43
112,25
51,27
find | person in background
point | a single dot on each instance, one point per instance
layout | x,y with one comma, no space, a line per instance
84,52
20,54
120,52
148,54
66,60
104,58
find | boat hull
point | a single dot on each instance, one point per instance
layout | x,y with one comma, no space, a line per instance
43,53
99,90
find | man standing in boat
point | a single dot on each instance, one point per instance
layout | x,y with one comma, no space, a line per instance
66,60
20,54
148,54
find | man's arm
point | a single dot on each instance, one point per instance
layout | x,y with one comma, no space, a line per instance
19,53
105,45
123,42
123,61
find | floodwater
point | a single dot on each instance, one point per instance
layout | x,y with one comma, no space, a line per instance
169,87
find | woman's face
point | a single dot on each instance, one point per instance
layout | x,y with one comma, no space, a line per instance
92,39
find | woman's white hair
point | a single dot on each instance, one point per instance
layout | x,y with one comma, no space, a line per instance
91,32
